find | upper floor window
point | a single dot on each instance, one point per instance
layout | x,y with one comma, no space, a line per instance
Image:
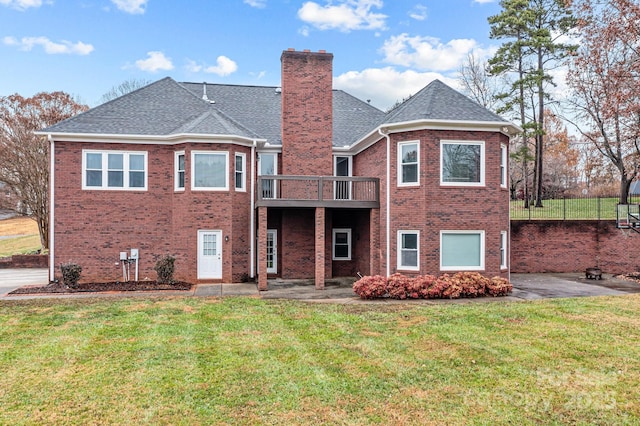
504,152
114,170
462,163
209,170
268,166
408,163
179,171
241,181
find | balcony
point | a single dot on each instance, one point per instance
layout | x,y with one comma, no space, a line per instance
318,191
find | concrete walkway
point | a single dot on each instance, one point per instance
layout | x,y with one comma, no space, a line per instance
525,287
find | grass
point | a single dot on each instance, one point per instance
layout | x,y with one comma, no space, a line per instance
575,208
247,361
20,236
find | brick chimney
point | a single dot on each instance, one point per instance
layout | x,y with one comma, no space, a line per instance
307,113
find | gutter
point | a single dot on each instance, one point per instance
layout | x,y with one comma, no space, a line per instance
51,207
252,214
383,132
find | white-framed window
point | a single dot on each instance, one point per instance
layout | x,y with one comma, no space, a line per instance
462,163
503,249
179,171
504,155
240,172
461,250
114,170
210,170
409,250
342,166
341,244
268,166
409,163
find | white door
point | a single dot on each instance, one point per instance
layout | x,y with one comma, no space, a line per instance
272,251
209,254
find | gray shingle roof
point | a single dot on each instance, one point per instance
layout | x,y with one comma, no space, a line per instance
167,107
437,101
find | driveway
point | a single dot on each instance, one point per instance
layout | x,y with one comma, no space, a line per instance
10,279
552,285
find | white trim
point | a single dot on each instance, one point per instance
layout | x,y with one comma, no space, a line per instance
504,165
274,268
482,251
173,139
192,167
52,204
176,171
400,164
481,183
399,249
388,202
105,170
504,248
333,243
252,215
243,171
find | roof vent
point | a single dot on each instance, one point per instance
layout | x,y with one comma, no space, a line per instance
278,90
204,94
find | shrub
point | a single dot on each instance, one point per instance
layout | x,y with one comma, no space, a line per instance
498,286
70,274
450,287
370,287
397,286
420,286
472,284
165,268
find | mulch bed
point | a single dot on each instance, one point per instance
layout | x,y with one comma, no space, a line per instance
103,287
633,276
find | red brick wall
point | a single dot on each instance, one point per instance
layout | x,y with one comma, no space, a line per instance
430,207
572,246
297,249
92,226
307,109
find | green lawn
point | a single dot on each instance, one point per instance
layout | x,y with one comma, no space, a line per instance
247,361
577,208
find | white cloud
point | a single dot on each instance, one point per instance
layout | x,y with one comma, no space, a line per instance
155,61
21,4
427,53
345,16
224,66
259,4
484,1
50,47
390,85
419,12
135,7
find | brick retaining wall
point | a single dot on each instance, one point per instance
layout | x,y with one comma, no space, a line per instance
572,246
25,261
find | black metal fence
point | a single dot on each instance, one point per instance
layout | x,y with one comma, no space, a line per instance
571,208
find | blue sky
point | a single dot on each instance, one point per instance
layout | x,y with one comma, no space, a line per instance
384,50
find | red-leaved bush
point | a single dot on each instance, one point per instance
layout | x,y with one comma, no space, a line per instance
370,287
397,285
461,284
498,286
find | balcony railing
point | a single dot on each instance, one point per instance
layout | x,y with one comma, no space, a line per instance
318,191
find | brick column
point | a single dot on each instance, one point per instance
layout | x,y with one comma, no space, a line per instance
374,242
320,249
262,248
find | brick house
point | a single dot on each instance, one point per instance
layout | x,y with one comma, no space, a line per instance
297,181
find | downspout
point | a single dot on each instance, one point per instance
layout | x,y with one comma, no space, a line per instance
51,207
252,214
388,201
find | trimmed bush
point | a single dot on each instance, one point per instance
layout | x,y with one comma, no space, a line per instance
498,286
370,287
397,286
71,272
461,284
165,269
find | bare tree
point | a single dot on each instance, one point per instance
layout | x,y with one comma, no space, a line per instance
478,83
123,88
24,156
605,81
